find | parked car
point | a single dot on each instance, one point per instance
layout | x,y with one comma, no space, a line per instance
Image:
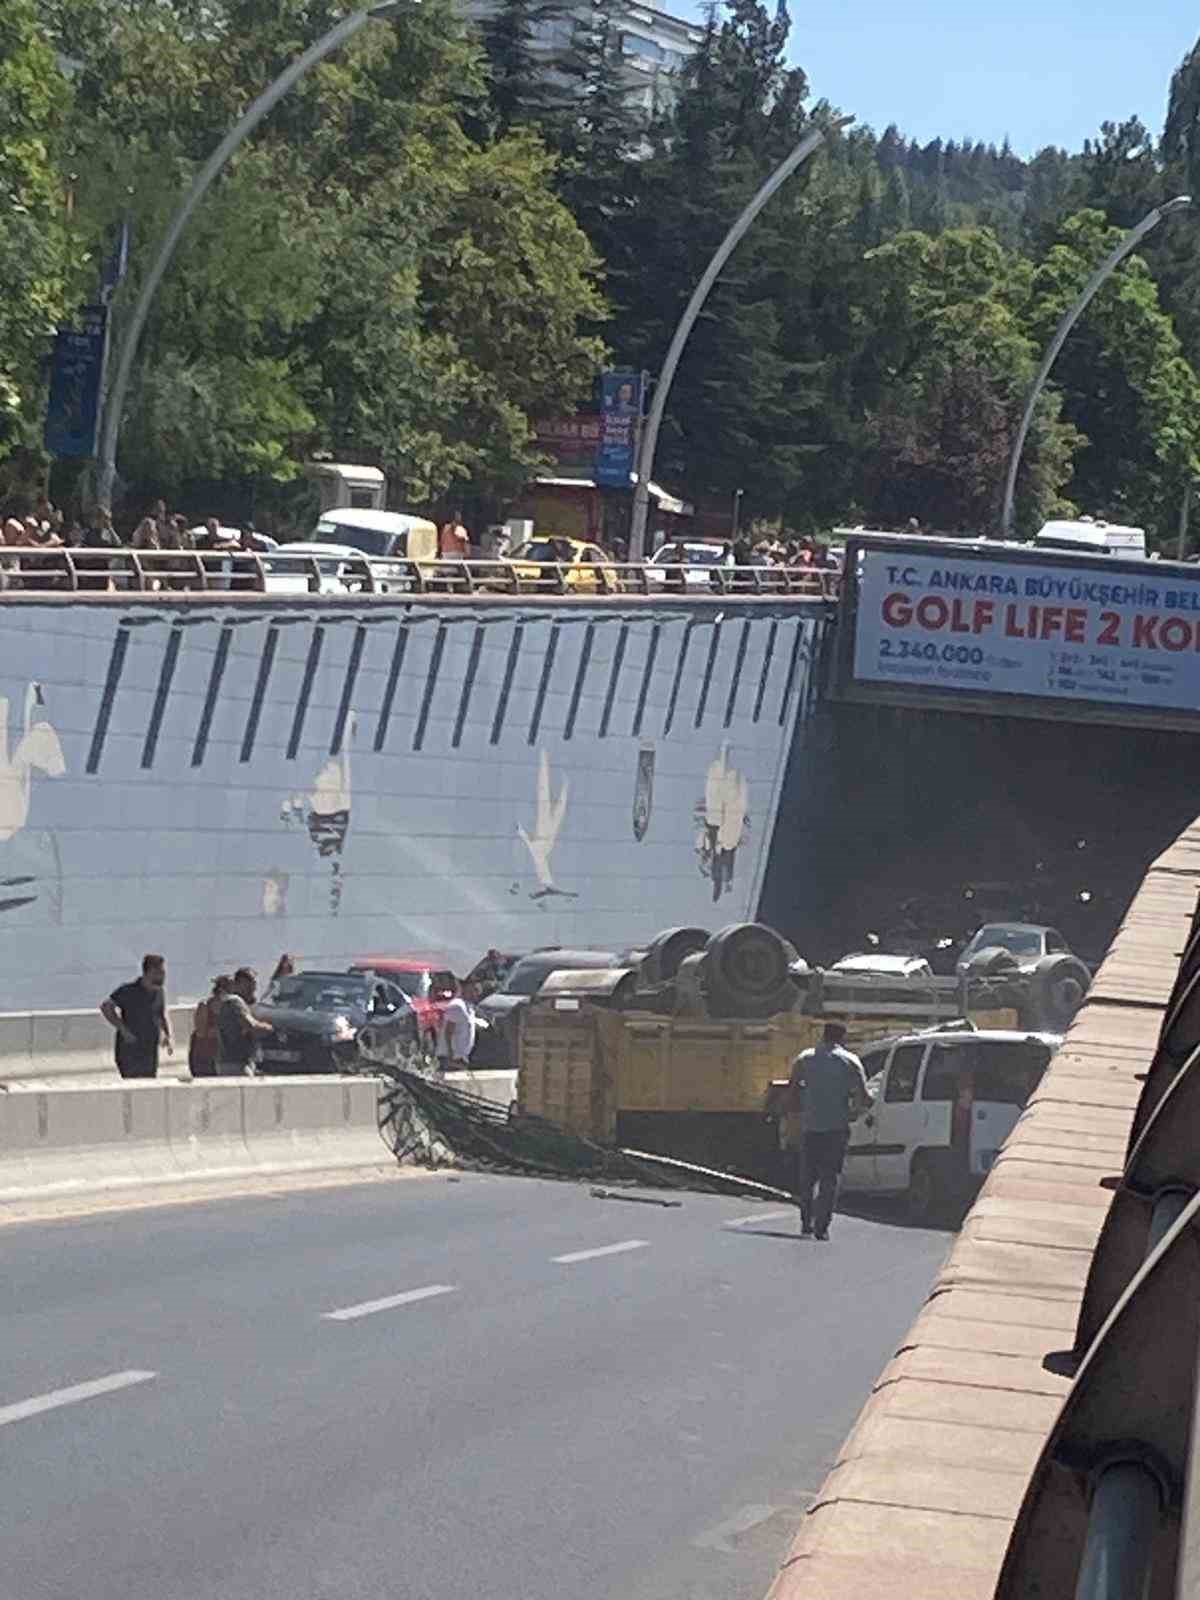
688,564
1057,978
388,535
1025,942
496,1045
942,1104
588,568
429,987
881,966
341,569
319,1018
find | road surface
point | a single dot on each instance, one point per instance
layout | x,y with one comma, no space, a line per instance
431,1390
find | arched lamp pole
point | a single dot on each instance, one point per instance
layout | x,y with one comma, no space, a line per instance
262,107
1106,268
662,389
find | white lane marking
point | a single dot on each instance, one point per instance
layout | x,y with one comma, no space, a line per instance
604,1250
368,1308
721,1537
72,1395
761,1216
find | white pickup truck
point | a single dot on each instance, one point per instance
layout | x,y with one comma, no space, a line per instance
942,1104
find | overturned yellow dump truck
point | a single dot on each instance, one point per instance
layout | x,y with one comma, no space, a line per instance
694,1087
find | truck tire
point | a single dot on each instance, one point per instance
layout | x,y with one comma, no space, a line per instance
690,998
663,955
746,968
991,962
1057,986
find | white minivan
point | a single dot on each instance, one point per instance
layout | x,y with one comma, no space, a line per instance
1093,536
942,1104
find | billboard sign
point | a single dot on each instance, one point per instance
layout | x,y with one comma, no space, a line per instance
620,422
73,408
951,622
570,441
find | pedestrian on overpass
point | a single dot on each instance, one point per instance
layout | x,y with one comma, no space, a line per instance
834,1088
138,1012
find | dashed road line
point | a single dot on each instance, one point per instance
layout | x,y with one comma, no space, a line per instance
602,1250
72,1395
368,1308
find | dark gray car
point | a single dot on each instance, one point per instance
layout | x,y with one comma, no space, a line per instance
496,1045
319,1018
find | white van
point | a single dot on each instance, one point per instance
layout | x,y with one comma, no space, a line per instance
1088,537
378,533
942,1104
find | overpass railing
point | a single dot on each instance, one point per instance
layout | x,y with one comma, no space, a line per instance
1112,1511
281,572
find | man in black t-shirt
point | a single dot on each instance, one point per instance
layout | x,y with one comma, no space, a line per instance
138,1012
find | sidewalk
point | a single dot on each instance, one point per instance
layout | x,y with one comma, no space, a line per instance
925,1490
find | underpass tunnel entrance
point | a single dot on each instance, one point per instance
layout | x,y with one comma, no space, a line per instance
913,827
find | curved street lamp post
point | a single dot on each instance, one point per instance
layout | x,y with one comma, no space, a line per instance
1106,268
662,389
115,400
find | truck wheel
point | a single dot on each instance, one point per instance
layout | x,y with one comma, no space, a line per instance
991,962
924,1199
662,958
747,966
1057,986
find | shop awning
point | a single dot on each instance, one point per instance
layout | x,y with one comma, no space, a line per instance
667,503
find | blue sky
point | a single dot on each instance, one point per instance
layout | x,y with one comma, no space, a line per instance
1041,71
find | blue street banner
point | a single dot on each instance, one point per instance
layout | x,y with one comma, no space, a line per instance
73,409
620,421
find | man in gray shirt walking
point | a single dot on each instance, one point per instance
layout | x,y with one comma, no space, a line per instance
833,1085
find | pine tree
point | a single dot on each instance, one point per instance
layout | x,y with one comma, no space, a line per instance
603,146
892,150
868,224
1181,135
524,41
894,213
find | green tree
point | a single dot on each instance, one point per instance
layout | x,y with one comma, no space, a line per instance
1125,384
952,363
601,170
738,395
33,95
525,40
366,277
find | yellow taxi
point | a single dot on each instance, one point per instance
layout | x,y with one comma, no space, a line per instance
547,560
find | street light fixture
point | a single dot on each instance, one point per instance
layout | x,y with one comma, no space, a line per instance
338,35
662,389
1108,266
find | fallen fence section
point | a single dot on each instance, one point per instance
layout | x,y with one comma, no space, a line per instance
428,1119
1033,1430
69,1141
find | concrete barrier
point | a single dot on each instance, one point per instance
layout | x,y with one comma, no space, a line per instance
299,1127
66,1140
500,1087
65,1044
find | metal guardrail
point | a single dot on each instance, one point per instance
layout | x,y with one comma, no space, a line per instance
1112,1511
142,571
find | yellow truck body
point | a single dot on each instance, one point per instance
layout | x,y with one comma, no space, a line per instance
582,1065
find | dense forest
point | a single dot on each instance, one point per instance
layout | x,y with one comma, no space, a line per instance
434,242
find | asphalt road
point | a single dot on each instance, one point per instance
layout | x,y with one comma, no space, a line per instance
594,1399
